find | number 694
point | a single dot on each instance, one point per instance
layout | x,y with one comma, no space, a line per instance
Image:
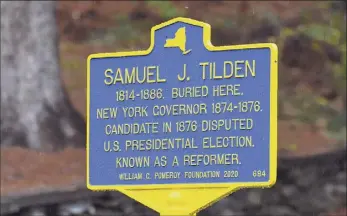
259,173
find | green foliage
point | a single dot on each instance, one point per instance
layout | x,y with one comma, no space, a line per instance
166,9
133,34
126,34
329,28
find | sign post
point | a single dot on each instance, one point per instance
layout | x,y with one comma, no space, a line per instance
184,123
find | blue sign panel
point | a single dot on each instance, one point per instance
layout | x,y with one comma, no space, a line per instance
184,113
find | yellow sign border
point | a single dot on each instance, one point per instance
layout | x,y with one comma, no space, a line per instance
129,189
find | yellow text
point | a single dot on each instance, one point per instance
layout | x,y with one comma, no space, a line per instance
131,162
231,69
179,109
212,159
228,142
160,144
148,74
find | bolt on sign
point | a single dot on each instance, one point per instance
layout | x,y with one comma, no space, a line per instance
184,123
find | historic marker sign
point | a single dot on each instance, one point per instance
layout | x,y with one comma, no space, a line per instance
182,115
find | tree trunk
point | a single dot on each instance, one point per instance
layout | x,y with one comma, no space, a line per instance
35,110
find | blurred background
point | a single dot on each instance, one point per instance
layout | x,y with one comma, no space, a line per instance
311,37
